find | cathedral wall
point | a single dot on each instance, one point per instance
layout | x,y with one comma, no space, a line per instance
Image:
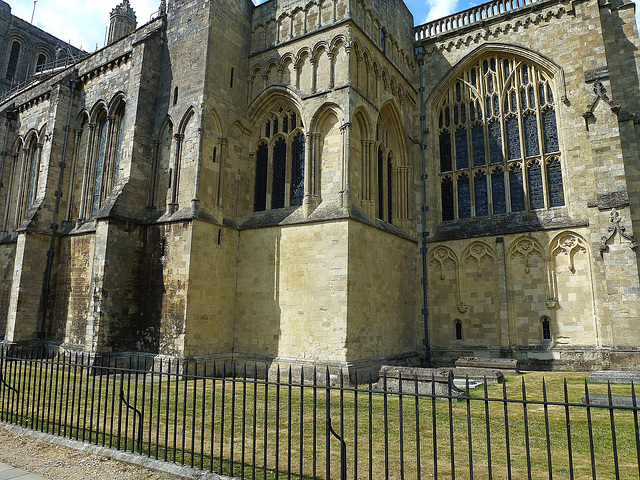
212,290
169,253
23,323
292,293
73,288
384,316
7,256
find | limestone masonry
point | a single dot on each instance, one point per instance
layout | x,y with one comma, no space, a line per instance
265,183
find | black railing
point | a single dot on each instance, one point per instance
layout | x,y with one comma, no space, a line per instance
234,422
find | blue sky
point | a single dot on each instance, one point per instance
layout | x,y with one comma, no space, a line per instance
84,22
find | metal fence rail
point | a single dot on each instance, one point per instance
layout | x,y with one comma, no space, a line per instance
230,421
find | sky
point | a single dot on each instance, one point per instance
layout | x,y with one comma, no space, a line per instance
83,23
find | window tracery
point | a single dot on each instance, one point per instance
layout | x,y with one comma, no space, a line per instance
280,159
498,141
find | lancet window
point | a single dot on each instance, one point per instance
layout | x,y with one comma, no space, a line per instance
104,152
498,141
14,56
279,158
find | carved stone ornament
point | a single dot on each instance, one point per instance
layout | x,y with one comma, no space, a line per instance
601,94
614,219
462,308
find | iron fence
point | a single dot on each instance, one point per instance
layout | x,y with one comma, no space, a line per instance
233,421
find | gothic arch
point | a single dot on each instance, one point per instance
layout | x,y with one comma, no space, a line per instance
550,67
476,252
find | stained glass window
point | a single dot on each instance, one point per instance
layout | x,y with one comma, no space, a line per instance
279,173
517,189
297,170
480,191
554,177
274,161
513,138
477,144
446,192
530,125
536,192
462,154
262,159
102,147
498,193
495,143
464,197
445,151
505,108
550,131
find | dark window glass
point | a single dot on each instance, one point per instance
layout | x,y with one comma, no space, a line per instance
462,154
536,193
275,126
474,78
514,101
33,175
472,111
532,97
267,130
380,184
260,195
118,152
294,121
447,117
389,190
297,170
493,64
446,187
495,143
279,173
102,147
463,114
549,94
42,59
530,125
517,189
285,124
523,99
496,105
458,330
458,92
13,60
490,86
488,107
513,138
554,177
456,115
498,194
445,151
546,329
440,124
507,70
550,131
480,190
525,74
464,197
477,144
541,94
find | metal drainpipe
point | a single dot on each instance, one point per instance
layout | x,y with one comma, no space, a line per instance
424,250
54,224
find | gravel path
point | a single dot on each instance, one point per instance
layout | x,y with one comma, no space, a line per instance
62,463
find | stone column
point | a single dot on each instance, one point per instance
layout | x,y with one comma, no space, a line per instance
72,175
345,131
222,152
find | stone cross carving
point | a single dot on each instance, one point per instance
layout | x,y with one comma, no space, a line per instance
614,219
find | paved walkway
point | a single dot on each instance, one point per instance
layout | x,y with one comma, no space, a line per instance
8,472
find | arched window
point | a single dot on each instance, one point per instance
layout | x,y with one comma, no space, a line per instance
498,119
280,156
546,329
101,153
13,59
42,60
458,326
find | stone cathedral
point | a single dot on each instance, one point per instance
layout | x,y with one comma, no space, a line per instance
321,182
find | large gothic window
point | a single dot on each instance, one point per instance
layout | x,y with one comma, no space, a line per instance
498,141
279,158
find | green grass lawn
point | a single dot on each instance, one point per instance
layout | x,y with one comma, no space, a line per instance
252,429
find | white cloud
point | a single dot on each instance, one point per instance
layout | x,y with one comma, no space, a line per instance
80,22
440,8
